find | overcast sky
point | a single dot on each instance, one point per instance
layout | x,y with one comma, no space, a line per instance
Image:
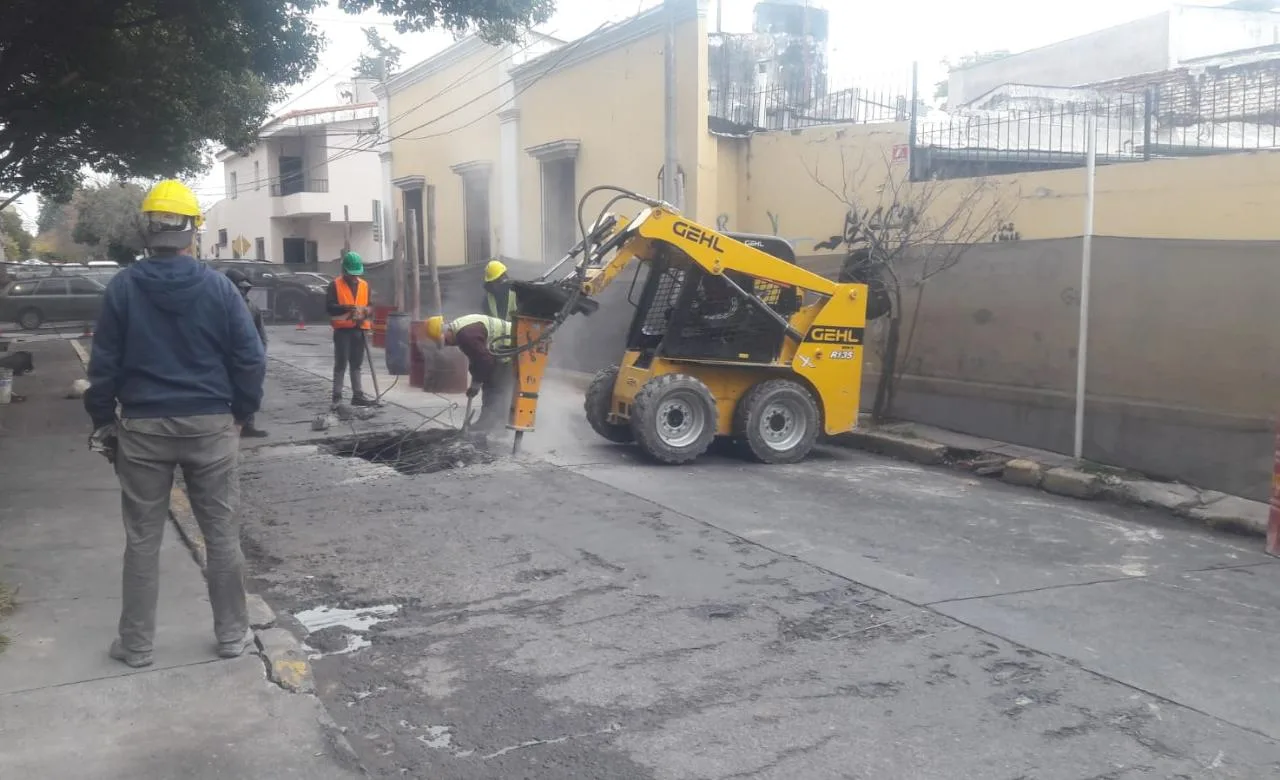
870,42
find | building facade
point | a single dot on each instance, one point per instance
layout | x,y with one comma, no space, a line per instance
1165,41
311,186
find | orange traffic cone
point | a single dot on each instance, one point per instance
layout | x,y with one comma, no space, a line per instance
302,324
88,331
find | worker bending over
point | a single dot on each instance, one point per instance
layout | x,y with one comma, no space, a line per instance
499,299
476,335
347,301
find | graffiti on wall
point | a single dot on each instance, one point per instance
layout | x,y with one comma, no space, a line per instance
1006,231
879,221
722,223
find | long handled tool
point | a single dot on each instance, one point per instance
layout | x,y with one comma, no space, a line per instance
466,416
373,372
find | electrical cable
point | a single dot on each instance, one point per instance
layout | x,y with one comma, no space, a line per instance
563,52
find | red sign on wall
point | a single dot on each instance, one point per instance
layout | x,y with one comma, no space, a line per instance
901,152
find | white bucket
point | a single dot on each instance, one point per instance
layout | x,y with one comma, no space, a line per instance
6,385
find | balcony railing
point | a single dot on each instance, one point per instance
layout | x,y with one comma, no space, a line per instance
294,185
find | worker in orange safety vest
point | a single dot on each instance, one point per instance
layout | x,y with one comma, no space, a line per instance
347,302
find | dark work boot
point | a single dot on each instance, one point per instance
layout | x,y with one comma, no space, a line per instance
249,432
360,399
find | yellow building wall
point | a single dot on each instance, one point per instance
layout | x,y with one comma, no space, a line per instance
789,176
613,105
459,107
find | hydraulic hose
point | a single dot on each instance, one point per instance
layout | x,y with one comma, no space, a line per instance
506,347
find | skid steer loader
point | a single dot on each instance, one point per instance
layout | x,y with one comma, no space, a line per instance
730,338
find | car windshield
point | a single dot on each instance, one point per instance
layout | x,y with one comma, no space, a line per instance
308,277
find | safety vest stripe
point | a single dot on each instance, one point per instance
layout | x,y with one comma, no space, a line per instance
345,298
496,328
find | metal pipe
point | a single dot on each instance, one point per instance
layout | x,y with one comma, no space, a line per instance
670,157
1086,273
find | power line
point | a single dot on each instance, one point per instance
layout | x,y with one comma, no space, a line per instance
317,85
564,53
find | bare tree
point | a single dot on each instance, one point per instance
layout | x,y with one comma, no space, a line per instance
899,234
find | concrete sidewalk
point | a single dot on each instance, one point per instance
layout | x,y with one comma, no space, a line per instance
66,709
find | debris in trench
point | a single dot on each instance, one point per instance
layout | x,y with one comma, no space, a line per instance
415,452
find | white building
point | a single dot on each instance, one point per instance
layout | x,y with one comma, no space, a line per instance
311,184
1165,41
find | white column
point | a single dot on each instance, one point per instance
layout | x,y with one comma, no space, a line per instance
509,182
384,157
509,158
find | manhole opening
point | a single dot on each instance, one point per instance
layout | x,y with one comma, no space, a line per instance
416,452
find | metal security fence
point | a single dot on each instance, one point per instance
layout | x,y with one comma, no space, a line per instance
1179,114
788,106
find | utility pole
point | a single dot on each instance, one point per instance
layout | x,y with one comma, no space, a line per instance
671,164
411,254
346,228
1086,274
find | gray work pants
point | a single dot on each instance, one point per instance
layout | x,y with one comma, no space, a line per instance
207,448
495,401
348,355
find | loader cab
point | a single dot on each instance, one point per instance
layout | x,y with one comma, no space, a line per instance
682,312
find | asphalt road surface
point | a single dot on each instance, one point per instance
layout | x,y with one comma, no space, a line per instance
577,612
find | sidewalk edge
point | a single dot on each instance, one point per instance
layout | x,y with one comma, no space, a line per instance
283,655
1211,509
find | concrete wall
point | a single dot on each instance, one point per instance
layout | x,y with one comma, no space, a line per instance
1141,46
612,104
1184,357
457,107
788,177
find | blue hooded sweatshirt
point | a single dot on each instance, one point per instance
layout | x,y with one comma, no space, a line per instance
174,340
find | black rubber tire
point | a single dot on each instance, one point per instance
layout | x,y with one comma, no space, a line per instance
748,422
30,319
598,404
648,408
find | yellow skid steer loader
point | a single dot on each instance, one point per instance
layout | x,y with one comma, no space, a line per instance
730,338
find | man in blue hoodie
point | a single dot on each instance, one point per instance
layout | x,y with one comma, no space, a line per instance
176,349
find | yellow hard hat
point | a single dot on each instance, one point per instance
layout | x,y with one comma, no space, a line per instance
173,197
435,328
494,271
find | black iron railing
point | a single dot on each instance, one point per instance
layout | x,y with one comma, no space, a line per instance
292,186
1176,115
788,106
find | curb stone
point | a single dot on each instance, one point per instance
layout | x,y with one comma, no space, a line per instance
922,451
1209,508
1071,483
286,662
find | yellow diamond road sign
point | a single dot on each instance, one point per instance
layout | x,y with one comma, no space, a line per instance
240,245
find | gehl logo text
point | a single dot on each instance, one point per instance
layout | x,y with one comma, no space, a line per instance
697,235
833,334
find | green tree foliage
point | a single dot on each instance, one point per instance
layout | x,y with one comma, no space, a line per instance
494,21
108,218
139,87
13,234
381,60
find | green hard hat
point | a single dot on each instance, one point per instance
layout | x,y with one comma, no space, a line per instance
352,264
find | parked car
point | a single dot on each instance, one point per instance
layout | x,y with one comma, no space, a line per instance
282,294
32,302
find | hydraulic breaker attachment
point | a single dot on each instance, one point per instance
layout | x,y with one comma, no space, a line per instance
530,366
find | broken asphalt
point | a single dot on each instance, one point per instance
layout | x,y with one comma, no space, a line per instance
579,612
